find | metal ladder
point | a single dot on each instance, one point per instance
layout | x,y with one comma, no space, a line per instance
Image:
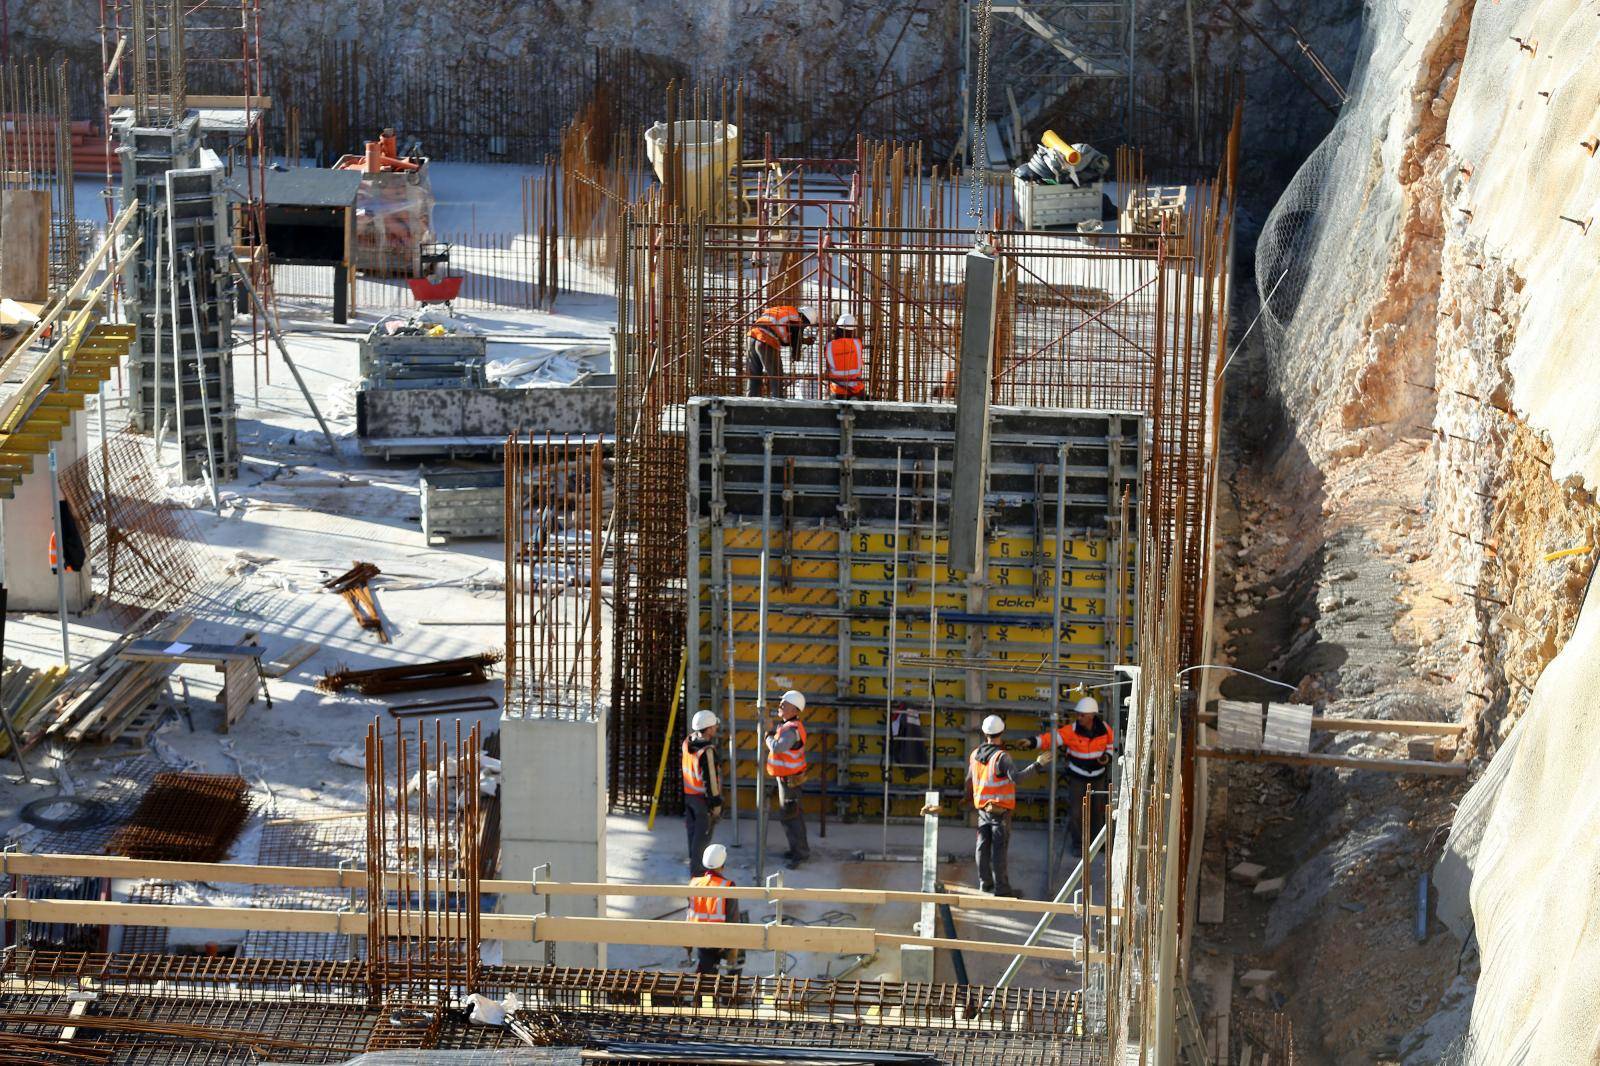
1191,1041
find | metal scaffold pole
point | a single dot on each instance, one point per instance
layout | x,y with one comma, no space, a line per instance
888,696
761,659
1055,658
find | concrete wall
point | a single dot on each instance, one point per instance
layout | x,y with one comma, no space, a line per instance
26,522
552,809
405,419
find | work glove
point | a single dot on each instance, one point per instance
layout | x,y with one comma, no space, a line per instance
1044,760
930,808
715,807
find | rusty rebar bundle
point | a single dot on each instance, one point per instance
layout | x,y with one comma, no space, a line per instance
353,586
413,677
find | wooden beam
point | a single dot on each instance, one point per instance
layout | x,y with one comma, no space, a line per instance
832,940
258,103
1369,725
1343,762
329,877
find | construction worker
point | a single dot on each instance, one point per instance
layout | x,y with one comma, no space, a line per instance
702,786
786,761
991,785
842,361
712,908
1087,741
775,329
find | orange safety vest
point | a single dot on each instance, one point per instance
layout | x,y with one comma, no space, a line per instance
1083,753
694,782
773,327
53,555
987,791
791,762
709,908
844,367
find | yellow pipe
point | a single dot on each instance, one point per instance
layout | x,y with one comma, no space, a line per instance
666,742
1053,140
1553,556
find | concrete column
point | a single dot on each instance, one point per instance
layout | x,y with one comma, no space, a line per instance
26,523
552,810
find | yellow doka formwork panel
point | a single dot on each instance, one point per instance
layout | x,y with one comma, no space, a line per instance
831,640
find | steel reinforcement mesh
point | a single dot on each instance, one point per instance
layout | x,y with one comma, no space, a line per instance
185,817
330,1005
144,552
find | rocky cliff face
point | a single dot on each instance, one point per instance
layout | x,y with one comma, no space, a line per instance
1434,294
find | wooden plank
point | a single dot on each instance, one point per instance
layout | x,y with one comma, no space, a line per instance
239,681
292,658
832,940
1238,725
329,877
177,651
1288,728
1369,725
236,103
1343,762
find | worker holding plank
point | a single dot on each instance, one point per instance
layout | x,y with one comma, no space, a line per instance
702,786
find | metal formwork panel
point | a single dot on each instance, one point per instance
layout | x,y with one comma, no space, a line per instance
186,212
863,619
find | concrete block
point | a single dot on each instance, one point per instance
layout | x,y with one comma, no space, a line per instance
1257,978
1424,748
916,963
1270,888
1247,873
553,811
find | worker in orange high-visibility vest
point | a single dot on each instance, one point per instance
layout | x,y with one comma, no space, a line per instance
777,328
842,365
991,785
712,908
1088,743
702,786
786,761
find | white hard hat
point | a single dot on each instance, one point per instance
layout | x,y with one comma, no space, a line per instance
846,321
714,857
994,725
1086,705
702,720
809,313
795,697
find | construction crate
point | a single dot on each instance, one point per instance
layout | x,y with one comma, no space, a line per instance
1049,206
457,504
418,361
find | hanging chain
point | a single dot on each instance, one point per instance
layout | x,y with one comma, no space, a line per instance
978,176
